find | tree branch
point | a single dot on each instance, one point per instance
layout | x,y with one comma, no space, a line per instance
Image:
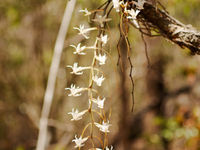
170,28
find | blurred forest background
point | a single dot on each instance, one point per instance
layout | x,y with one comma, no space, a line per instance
167,95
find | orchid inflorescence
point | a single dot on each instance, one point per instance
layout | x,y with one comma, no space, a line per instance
96,75
132,13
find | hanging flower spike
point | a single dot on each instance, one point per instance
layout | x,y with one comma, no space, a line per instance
103,39
133,14
76,115
82,30
79,141
98,80
85,11
101,19
74,91
99,102
77,70
101,59
103,127
78,49
140,4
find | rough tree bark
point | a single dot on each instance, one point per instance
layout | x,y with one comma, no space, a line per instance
184,35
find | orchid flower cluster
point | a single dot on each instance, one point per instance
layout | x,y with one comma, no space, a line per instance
96,77
132,13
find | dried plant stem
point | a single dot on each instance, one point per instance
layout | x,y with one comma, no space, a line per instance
90,95
146,51
48,98
124,32
85,129
99,140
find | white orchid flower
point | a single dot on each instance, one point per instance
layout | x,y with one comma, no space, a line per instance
116,5
133,16
101,19
76,115
101,59
78,49
79,141
103,39
99,102
103,127
140,4
77,70
85,11
98,80
83,31
75,91
111,148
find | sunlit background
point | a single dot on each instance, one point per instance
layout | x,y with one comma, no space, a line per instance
167,95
